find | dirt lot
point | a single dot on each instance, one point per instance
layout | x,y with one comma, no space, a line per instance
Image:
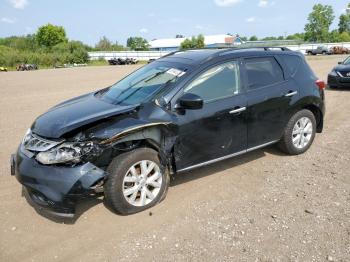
263,206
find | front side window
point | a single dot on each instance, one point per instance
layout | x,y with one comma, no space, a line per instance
263,71
218,82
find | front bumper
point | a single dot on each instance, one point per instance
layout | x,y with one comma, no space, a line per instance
56,189
338,81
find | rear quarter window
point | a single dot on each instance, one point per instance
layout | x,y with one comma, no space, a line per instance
263,71
292,63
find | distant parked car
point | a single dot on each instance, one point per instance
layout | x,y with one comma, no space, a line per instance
338,50
340,75
116,61
3,69
26,67
122,61
320,50
131,61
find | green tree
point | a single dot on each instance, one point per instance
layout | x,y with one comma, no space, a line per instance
71,52
253,38
244,38
187,44
269,38
200,41
344,37
193,43
297,36
319,21
50,35
137,43
27,42
344,23
104,44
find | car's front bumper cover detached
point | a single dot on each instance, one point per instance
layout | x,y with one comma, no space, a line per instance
55,189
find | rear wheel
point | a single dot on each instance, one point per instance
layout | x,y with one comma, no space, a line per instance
136,181
299,133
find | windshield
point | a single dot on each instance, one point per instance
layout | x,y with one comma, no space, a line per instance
347,61
143,84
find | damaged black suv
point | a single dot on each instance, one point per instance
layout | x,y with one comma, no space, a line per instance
185,110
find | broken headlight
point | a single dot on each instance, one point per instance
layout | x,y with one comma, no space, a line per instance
67,152
27,136
333,72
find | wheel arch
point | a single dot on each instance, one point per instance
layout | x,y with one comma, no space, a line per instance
157,137
318,116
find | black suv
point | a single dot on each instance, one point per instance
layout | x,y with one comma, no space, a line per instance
183,111
340,75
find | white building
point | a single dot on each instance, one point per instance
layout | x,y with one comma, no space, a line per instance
211,41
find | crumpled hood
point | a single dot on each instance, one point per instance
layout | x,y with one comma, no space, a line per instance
74,113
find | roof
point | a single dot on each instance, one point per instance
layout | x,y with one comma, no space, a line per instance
199,55
175,42
190,56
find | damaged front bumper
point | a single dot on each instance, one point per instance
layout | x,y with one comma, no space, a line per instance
55,189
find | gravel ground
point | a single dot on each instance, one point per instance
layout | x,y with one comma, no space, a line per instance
263,206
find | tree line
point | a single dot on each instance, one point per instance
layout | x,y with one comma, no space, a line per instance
50,46
317,28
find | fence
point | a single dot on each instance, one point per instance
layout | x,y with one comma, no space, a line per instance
147,55
140,55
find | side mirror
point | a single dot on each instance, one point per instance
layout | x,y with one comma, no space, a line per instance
340,63
190,101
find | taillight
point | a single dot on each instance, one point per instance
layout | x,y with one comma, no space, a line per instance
321,84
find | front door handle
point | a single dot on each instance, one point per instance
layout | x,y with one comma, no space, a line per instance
238,110
291,93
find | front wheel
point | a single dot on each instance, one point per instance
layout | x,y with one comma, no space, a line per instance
136,181
299,133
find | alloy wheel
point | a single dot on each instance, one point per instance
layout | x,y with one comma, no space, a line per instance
302,132
142,183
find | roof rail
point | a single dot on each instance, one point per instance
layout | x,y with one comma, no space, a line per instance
228,49
266,48
194,49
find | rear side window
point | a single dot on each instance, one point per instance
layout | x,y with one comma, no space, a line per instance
292,62
263,71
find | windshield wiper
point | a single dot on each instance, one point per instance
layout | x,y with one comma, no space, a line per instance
155,75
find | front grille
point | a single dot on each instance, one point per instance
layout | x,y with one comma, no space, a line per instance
344,73
39,144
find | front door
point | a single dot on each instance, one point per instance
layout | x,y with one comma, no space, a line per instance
219,128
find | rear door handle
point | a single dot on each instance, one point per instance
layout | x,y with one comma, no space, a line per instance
291,93
238,110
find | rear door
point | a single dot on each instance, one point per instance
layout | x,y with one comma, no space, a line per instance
269,96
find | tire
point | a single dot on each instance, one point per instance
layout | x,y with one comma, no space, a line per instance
120,168
286,143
